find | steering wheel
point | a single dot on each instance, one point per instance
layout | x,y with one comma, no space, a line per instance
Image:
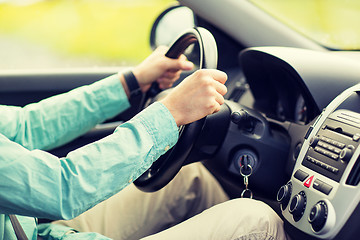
168,165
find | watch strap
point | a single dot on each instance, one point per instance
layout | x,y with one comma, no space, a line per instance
132,83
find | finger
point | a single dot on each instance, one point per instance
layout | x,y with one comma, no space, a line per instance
216,110
173,70
218,75
220,88
171,74
216,107
219,98
179,64
165,82
163,79
182,57
165,85
186,65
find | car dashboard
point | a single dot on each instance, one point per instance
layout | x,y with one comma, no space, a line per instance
303,144
322,196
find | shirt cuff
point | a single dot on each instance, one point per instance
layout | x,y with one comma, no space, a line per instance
59,232
161,126
53,231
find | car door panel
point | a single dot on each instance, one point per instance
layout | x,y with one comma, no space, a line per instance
20,88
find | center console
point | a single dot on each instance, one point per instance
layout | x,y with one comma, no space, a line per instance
321,197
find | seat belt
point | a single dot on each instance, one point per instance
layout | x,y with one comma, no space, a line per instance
19,231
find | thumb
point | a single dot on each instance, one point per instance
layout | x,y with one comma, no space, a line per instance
180,64
187,65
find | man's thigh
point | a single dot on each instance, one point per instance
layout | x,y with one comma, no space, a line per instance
132,214
238,219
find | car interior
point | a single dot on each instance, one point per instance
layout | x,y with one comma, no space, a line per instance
290,124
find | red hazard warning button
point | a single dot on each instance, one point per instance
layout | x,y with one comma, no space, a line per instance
308,182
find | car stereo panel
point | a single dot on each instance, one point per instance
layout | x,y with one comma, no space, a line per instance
333,146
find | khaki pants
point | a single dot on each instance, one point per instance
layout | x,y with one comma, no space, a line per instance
177,212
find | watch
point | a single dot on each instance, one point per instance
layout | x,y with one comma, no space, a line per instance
132,83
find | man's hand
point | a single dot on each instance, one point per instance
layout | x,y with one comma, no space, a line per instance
197,96
157,67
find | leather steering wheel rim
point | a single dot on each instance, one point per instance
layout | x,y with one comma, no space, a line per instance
168,165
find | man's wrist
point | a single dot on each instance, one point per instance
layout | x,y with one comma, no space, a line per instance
173,112
132,83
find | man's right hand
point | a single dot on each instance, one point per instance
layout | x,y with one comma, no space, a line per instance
197,96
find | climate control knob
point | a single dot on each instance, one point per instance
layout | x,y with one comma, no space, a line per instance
318,216
284,194
297,205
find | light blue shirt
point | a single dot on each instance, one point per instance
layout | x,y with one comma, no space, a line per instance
35,183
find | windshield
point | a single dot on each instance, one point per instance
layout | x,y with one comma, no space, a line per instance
83,33
332,23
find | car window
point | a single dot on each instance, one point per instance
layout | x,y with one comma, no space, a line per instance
333,23
82,33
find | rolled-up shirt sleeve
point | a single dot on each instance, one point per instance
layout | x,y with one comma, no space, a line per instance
36,183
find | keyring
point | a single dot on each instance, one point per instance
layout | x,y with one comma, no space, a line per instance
241,172
246,190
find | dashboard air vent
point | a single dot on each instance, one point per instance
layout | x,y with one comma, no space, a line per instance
354,176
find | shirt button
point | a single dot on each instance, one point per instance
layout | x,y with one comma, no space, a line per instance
167,148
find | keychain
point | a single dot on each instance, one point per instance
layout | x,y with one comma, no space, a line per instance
246,176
